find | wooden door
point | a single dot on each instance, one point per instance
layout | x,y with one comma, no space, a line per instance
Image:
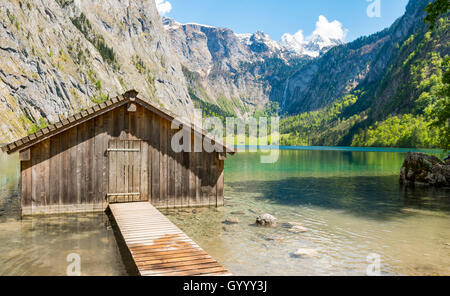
124,183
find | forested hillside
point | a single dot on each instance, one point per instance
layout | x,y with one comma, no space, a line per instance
400,110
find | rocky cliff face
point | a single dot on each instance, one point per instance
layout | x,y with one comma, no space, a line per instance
238,72
58,57
212,60
242,72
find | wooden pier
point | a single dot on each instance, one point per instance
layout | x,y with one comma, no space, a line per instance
157,246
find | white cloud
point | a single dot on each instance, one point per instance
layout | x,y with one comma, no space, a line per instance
325,34
163,6
329,30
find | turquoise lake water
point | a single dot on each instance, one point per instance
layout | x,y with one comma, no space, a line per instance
348,200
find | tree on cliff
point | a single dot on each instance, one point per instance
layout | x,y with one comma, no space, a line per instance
434,10
442,112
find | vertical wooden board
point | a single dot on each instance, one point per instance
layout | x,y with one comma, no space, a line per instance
123,122
125,174
98,170
131,169
63,167
172,172
148,131
191,194
213,179
25,189
112,123
163,201
132,125
112,177
192,175
142,127
220,183
72,167
185,179
45,169
198,178
138,133
81,164
205,179
178,179
107,135
36,182
208,172
129,156
122,167
137,171
91,172
134,171
55,173
144,177
156,162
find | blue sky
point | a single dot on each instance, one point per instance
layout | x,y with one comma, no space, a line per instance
284,16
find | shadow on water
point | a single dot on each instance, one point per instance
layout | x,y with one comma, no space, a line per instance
376,197
39,245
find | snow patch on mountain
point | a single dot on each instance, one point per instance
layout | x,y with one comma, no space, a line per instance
326,35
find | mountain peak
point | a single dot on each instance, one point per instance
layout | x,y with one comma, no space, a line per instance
171,23
325,36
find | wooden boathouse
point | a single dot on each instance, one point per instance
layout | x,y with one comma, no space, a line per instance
117,151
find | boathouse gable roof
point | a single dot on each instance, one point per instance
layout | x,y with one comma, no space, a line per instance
102,108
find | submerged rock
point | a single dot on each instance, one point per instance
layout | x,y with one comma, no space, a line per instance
237,213
298,229
231,220
275,238
266,220
291,224
229,228
423,169
305,253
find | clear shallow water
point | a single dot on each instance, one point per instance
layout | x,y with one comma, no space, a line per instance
40,245
350,202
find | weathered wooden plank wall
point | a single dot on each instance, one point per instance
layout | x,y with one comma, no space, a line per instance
70,171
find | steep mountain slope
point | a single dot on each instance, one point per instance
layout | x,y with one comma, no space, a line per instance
394,103
240,73
343,68
57,55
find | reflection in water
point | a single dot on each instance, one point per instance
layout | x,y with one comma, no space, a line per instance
40,245
351,204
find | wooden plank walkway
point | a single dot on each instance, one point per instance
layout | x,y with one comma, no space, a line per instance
158,247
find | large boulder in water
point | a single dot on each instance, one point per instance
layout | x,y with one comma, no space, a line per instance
266,220
423,169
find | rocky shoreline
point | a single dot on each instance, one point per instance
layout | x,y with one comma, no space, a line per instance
425,170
